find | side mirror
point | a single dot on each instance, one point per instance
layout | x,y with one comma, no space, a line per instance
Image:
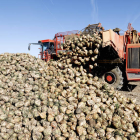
29,47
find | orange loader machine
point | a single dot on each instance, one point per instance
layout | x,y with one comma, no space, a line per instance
119,57
50,48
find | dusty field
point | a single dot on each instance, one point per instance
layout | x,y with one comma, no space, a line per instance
135,91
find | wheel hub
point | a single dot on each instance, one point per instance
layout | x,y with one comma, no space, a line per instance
110,78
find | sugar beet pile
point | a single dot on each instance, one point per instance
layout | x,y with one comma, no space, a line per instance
82,51
56,101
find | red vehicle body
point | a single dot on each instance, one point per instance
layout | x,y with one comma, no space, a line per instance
127,47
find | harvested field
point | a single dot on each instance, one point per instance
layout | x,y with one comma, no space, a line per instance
134,91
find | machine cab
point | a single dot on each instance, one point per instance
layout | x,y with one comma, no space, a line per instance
46,48
46,44
49,48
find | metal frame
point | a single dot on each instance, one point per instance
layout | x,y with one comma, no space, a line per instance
131,70
33,44
57,42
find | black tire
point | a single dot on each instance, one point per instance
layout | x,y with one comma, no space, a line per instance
117,75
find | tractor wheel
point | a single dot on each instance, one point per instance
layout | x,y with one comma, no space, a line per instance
114,78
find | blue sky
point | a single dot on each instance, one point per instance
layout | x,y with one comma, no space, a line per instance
27,21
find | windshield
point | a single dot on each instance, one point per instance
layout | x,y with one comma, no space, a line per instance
45,46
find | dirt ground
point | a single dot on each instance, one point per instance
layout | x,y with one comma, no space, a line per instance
133,90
